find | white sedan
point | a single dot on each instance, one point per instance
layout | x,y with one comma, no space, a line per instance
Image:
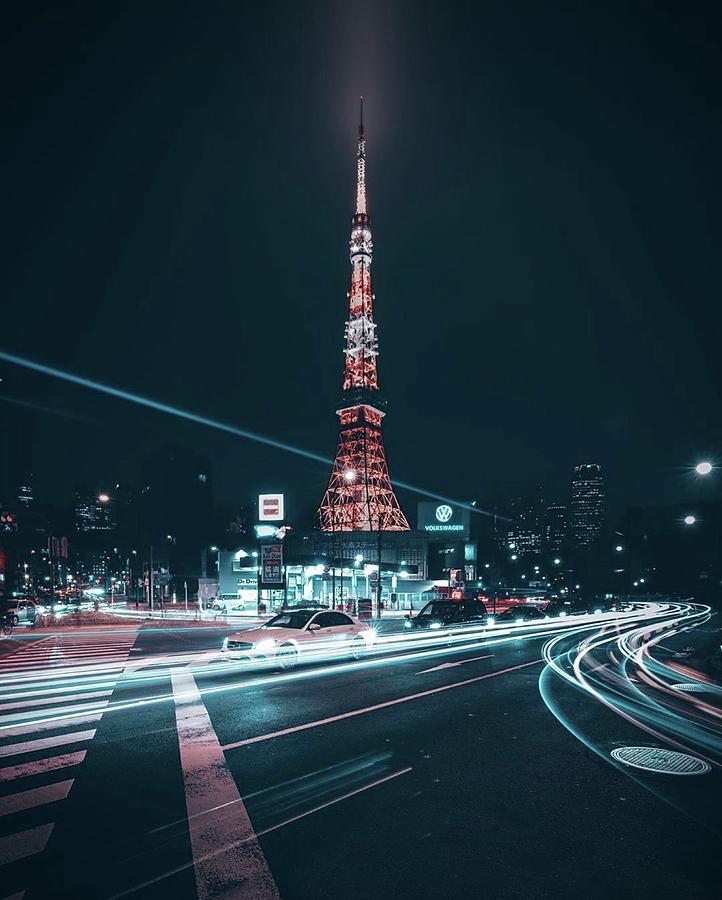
309,632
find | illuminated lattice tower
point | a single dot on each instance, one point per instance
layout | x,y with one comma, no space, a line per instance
359,496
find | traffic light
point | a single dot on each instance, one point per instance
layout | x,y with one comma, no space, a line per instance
8,523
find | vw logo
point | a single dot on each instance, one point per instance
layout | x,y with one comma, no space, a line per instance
443,512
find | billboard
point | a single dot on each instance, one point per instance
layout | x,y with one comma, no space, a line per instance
271,564
443,519
270,508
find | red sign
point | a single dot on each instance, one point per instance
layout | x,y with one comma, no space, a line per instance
270,507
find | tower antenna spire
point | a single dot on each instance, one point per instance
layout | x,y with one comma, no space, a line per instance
361,165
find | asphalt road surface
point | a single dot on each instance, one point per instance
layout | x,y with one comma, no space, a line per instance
135,761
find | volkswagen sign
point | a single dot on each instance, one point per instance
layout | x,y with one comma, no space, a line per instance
443,519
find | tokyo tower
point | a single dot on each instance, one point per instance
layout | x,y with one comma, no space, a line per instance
359,496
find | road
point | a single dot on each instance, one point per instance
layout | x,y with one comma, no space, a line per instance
134,761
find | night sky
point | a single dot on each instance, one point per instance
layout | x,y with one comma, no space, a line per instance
544,189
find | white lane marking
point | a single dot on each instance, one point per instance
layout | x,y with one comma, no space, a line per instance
39,796
217,817
453,665
58,740
41,766
72,698
64,712
24,843
84,659
368,709
60,722
42,651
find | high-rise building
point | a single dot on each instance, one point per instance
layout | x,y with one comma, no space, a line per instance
25,492
587,507
360,496
555,527
93,509
525,532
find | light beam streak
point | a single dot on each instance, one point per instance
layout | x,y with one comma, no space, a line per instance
207,422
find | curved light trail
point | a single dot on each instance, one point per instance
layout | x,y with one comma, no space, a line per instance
616,668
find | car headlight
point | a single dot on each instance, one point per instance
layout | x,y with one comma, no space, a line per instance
490,620
407,624
265,644
225,643
435,625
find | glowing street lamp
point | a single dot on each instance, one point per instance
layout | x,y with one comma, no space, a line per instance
103,498
690,520
703,468
619,548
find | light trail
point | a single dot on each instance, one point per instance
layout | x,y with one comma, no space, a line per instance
390,650
633,685
196,418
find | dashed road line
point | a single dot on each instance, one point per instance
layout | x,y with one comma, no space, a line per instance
22,800
24,843
41,766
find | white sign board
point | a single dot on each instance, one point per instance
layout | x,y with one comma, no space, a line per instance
270,508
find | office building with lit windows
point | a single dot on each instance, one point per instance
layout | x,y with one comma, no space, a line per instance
587,504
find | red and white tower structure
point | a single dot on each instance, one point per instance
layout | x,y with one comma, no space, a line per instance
359,496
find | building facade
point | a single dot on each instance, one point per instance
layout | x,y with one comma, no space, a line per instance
586,517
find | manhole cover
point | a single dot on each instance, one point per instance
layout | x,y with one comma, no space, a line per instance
666,762
694,688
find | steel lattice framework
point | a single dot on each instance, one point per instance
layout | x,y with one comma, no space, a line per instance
359,496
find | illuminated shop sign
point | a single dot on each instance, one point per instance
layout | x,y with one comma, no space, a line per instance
443,518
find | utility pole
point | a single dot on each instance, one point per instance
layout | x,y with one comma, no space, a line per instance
150,581
378,583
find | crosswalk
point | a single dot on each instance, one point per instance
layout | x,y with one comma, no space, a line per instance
53,694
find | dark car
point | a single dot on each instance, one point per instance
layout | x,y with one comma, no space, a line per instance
449,613
520,613
557,608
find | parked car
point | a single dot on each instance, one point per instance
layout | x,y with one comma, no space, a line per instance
449,613
20,612
228,601
287,637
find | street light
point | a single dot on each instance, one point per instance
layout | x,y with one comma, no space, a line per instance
103,498
689,520
703,468
619,548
